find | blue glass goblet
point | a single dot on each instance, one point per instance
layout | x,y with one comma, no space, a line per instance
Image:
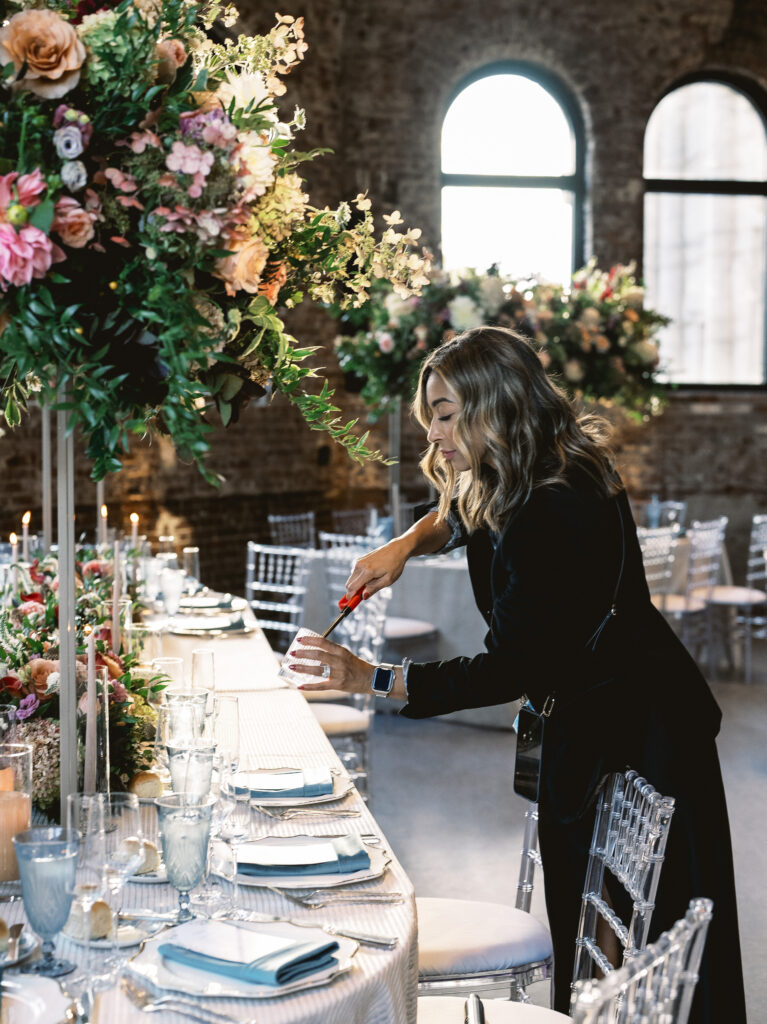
47,859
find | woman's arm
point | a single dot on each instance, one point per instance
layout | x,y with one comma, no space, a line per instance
347,671
384,566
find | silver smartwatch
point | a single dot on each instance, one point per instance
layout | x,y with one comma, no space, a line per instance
383,680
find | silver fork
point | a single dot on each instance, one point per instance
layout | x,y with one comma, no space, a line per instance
366,938
324,898
286,813
151,1003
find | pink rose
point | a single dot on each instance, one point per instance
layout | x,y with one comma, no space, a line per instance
242,270
72,223
24,189
386,342
25,254
171,55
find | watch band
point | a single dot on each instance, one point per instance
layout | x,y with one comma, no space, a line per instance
383,680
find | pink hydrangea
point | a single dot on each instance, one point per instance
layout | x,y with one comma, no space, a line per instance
25,254
123,182
188,159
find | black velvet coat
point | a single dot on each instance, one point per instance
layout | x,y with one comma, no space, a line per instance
544,588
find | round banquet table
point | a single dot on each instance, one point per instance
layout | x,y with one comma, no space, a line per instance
278,729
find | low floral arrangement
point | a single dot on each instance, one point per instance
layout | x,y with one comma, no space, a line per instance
29,672
594,336
152,222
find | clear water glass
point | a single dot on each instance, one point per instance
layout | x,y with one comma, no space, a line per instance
170,670
124,839
86,814
203,669
191,567
184,827
47,860
143,642
7,722
191,767
172,587
236,828
298,656
210,897
226,729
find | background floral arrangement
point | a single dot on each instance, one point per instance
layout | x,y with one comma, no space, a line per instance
29,672
152,222
594,336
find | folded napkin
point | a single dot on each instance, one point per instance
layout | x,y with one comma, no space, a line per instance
219,623
267,785
255,957
336,856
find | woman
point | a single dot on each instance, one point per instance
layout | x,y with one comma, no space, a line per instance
557,572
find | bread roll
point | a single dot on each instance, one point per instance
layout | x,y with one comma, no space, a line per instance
101,921
127,851
146,784
4,939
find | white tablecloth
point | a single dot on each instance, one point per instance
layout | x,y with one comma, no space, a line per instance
279,729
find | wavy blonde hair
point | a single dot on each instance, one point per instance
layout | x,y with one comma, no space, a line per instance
531,431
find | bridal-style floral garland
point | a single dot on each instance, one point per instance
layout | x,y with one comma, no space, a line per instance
29,670
152,223
594,335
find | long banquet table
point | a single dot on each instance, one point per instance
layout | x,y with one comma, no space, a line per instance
278,729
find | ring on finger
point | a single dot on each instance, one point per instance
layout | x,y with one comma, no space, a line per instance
326,671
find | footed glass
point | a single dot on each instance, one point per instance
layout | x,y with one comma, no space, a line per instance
47,859
184,825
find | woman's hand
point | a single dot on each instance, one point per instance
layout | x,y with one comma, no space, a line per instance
378,569
347,671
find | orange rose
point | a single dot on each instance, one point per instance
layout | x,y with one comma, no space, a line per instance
171,55
49,47
39,670
243,269
273,280
72,223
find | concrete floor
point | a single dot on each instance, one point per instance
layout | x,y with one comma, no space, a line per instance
442,793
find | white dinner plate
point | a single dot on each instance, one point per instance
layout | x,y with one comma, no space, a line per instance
28,943
203,604
151,877
32,999
127,935
209,625
161,974
379,861
342,785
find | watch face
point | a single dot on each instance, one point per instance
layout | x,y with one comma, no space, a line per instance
383,680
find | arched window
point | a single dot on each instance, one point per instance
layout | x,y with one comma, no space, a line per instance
705,230
512,174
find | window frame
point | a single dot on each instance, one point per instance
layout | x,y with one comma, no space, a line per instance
574,183
718,187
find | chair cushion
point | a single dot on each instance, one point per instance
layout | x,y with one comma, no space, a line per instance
450,1010
469,937
340,719
738,596
678,604
396,628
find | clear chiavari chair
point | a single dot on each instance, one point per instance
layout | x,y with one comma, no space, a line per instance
655,987
742,611
658,546
275,588
350,520
629,841
296,531
492,948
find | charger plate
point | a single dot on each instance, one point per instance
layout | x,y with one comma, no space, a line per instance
32,999
379,861
164,975
342,786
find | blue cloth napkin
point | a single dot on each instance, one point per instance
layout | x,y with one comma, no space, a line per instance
304,790
279,968
352,856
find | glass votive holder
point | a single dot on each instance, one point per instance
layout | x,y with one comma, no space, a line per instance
203,669
15,802
171,671
297,656
143,642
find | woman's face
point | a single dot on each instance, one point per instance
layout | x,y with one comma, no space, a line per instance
445,406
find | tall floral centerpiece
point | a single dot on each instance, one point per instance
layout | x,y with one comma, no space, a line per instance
30,671
154,228
594,335
153,222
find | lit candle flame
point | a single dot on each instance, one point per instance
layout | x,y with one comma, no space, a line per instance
26,518
134,517
14,539
103,511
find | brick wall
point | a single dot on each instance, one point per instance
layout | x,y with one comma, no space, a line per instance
376,83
